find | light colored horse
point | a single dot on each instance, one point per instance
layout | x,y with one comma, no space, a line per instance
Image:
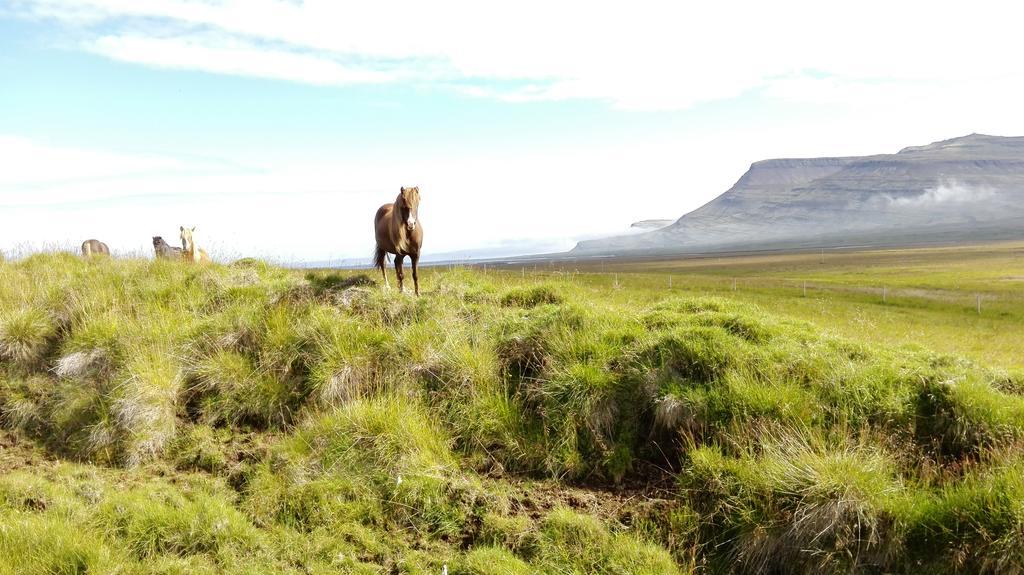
189,251
399,232
94,248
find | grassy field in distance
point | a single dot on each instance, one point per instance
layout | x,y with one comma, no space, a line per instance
921,296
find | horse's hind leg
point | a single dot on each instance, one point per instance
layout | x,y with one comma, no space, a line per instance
380,258
398,270
415,274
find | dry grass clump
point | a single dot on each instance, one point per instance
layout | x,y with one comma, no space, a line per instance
796,505
351,358
144,404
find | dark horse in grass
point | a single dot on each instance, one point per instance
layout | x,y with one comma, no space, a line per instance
164,250
399,232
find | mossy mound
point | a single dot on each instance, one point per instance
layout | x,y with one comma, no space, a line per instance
229,417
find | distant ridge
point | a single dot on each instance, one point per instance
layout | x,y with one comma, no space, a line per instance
969,188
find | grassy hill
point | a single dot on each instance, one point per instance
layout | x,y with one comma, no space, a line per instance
166,418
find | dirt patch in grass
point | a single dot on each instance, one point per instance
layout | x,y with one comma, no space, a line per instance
616,504
19,453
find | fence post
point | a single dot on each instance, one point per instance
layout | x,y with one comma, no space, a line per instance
805,288
669,282
733,284
885,294
978,296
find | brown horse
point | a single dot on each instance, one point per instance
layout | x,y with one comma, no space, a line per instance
399,232
189,251
94,248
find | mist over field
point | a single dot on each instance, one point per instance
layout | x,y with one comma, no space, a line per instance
951,192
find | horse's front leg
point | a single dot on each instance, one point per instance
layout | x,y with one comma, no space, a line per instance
415,270
398,270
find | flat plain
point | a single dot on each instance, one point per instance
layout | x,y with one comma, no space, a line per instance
926,296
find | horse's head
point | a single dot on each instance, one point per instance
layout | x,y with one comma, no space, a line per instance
408,205
186,238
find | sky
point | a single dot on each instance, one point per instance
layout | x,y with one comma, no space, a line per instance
279,127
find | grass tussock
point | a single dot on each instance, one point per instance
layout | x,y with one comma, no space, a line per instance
344,466
155,521
26,336
532,296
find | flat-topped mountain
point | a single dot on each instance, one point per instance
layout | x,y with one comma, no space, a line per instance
964,189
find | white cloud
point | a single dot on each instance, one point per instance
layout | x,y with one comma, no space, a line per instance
643,55
951,192
233,56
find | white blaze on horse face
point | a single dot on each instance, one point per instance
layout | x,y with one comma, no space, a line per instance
412,222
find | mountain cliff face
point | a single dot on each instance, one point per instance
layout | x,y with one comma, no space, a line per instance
969,188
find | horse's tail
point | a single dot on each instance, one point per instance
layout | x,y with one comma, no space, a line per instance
380,257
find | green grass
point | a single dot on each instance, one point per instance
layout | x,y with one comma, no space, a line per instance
930,300
166,418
